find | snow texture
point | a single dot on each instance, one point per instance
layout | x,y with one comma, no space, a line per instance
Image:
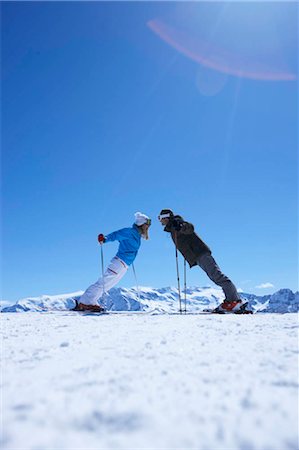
145,377
149,381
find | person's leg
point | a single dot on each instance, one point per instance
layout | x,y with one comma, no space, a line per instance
115,271
210,267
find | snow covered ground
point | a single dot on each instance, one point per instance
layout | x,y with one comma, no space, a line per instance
141,381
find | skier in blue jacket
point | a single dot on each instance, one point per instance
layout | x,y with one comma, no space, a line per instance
129,242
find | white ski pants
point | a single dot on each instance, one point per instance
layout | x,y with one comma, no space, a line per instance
114,273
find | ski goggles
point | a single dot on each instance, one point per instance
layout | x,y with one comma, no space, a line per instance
148,222
163,216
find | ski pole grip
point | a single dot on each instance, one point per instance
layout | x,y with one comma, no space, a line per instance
101,238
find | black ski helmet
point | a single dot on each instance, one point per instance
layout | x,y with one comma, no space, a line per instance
167,213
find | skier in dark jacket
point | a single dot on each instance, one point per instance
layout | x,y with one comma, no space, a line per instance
196,252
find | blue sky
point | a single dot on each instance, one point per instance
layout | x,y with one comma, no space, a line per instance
112,108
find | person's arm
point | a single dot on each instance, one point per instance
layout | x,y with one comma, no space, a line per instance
179,225
119,235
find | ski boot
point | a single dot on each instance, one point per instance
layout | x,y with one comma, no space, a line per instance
91,308
232,307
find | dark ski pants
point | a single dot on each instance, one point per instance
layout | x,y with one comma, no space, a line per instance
209,265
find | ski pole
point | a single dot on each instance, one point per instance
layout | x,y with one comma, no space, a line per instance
178,276
103,280
134,271
185,286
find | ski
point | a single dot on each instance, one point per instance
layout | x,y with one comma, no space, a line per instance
161,313
239,313
243,310
70,313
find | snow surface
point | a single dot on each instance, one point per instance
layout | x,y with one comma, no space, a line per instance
142,381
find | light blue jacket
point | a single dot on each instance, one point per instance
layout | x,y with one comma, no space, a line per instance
129,242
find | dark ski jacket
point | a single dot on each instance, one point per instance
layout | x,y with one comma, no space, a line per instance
186,240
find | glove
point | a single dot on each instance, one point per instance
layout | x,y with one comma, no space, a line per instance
101,238
176,224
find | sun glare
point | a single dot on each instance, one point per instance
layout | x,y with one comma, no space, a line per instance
250,40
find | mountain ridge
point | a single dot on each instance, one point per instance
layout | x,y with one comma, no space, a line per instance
163,300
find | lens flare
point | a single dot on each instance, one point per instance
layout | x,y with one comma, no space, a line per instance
247,42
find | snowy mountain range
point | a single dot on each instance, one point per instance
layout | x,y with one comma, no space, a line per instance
164,300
